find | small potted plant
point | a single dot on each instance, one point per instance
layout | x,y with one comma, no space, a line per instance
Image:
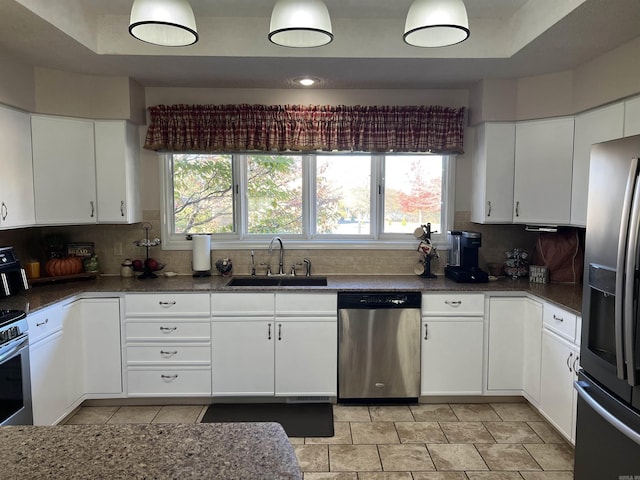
517,263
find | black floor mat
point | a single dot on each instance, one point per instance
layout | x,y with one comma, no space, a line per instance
297,419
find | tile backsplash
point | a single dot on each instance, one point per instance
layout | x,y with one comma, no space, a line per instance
29,244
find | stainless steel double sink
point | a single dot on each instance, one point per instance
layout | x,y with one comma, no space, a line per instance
277,281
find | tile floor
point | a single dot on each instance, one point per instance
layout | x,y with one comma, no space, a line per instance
497,441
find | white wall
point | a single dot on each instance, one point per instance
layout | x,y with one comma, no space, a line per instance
90,96
17,83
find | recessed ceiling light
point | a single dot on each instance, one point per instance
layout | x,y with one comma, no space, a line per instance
306,81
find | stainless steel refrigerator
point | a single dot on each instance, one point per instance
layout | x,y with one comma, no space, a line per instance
608,386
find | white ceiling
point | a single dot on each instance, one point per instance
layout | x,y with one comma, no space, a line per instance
509,38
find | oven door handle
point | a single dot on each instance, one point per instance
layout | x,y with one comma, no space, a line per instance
607,416
13,348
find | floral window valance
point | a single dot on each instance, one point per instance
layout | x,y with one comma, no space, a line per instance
267,128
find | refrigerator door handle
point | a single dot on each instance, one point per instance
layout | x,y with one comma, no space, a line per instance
628,318
611,419
623,249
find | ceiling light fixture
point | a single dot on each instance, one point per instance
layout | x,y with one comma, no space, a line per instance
300,23
305,81
169,23
436,23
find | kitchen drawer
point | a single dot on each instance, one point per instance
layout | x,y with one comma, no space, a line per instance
169,382
559,321
300,304
455,304
169,353
242,304
168,330
43,323
167,304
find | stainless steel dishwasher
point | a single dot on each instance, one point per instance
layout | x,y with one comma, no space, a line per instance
379,346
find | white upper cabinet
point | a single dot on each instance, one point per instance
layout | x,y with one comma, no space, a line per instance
492,173
118,172
64,170
632,117
16,182
591,127
543,171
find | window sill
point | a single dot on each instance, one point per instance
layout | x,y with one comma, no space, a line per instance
307,244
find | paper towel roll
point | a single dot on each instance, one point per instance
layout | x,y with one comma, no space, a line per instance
201,253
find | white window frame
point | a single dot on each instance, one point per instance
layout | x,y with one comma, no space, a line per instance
239,240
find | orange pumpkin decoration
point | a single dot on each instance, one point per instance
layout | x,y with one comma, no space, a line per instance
57,267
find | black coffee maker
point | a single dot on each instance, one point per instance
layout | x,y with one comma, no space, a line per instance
462,264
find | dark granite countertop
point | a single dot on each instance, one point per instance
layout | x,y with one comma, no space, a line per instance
568,296
224,451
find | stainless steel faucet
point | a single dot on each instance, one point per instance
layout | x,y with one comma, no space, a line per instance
281,262
253,264
307,267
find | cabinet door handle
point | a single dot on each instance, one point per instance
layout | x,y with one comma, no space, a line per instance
165,353
169,377
167,304
269,332
517,209
46,320
4,211
560,319
122,208
426,330
575,363
168,329
569,361
453,303
279,331
489,212
93,208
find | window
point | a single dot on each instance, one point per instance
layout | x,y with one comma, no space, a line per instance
313,200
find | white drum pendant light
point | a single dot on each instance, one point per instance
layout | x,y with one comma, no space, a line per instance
436,23
300,23
169,23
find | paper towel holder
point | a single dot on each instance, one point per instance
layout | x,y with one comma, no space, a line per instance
201,257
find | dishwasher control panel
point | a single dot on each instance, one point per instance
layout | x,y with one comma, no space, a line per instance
379,300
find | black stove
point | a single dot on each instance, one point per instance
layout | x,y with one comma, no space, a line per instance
13,324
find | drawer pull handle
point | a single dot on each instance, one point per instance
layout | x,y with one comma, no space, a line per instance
165,353
269,332
46,320
426,331
453,303
560,319
169,377
279,331
576,364
569,360
168,329
167,304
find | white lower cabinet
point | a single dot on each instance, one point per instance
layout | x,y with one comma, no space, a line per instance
274,344
48,366
451,356
557,398
75,355
514,339
452,344
168,345
48,386
306,358
242,357
101,345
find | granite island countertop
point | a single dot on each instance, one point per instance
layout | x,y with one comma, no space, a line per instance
568,296
216,451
